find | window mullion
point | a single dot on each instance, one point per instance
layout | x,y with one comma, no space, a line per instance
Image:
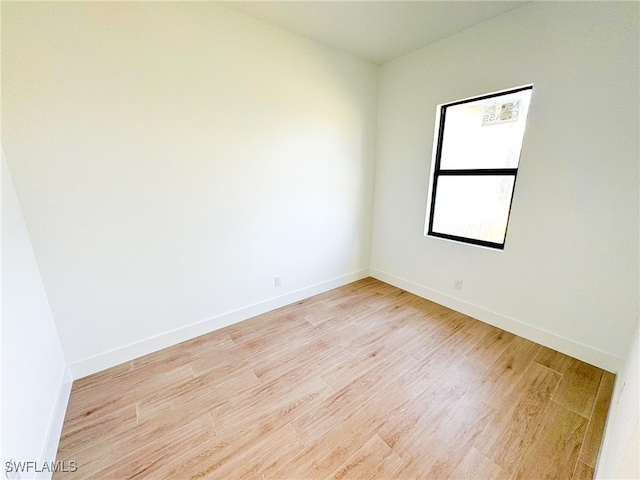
479,171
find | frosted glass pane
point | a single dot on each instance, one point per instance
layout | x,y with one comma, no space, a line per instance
473,206
485,133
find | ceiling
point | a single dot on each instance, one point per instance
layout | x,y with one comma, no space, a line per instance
376,31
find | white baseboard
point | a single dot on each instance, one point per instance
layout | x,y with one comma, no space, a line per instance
105,360
591,355
54,430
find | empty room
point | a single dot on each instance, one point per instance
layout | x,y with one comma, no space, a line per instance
320,240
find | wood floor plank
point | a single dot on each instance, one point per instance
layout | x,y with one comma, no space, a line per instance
426,341
583,472
326,454
204,460
318,314
412,299
332,330
281,325
423,321
370,338
346,372
504,373
117,443
235,412
392,315
204,345
391,298
195,394
370,356
578,388
363,381
439,357
554,448
374,460
350,310
552,359
315,461
81,434
105,376
352,297
309,368
475,465
510,430
447,442
103,399
439,314
478,329
381,287
255,353
145,412
144,462
491,346
415,419
225,371
312,353
595,430
456,321
434,310
234,358
249,324
343,402
261,459
164,360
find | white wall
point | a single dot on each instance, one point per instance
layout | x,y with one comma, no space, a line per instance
568,276
35,381
619,455
173,158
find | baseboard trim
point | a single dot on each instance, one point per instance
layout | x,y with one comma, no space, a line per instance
54,429
591,355
90,365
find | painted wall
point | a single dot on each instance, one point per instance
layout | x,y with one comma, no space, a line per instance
568,276
35,381
173,158
620,451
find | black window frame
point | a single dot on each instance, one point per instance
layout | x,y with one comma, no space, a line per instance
439,172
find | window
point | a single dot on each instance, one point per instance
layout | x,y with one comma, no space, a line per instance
474,167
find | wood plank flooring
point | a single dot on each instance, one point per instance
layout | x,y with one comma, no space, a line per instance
363,382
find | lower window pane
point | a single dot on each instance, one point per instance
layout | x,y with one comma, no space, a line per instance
475,207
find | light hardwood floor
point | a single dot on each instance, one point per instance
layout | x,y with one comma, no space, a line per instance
363,382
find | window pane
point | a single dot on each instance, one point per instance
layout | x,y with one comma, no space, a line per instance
485,133
473,206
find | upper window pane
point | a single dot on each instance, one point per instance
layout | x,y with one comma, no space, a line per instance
485,133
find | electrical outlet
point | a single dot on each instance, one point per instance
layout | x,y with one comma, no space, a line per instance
278,281
457,284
